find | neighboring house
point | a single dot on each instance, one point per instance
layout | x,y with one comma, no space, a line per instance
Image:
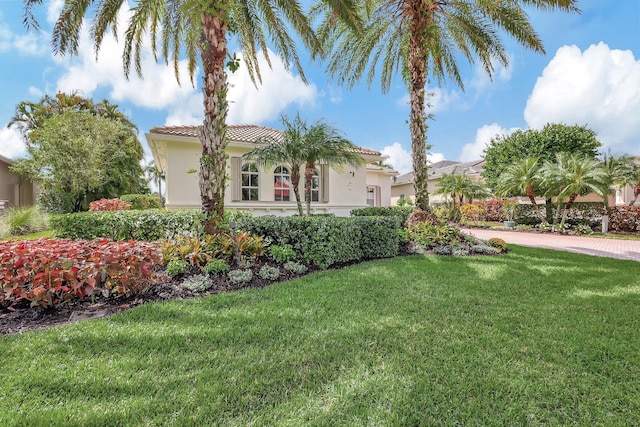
14,190
177,151
402,185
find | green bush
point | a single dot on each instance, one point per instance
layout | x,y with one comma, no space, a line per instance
149,225
295,267
141,201
176,267
268,272
216,266
238,277
499,244
401,212
324,240
18,221
197,283
282,254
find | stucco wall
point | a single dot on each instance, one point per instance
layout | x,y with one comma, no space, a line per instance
383,182
15,189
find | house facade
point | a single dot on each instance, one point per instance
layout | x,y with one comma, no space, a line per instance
15,191
264,191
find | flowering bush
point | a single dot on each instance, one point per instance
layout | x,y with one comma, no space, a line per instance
625,219
46,272
109,205
473,212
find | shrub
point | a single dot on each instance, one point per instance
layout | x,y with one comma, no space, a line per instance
109,205
175,267
295,267
624,219
582,229
238,277
484,249
149,225
498,243
459,251
523,227
493,210
442,250
141,201
324,241
18,221
426,235
197,283
47,272
216,266
473,212
282,254
268,272
422,216
401,212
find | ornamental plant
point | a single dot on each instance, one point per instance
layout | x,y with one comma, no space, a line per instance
48,272
109,205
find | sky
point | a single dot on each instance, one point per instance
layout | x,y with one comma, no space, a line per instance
590,75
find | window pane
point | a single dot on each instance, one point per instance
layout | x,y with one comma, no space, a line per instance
245,180
254,194
245,194
254,179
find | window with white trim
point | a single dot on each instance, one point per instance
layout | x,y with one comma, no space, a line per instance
282,184
315,186
250,188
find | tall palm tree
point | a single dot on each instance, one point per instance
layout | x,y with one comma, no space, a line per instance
304,146
199,30
522,178
156,175
574,175
628,174
422,38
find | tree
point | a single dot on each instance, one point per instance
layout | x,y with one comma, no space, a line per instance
573,175
157,176
505,150
627,172
522,178
200,30
304,145
422,38
77,157
30,116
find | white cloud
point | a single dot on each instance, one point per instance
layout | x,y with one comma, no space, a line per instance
473,151
11,144
481,82
440,100
53,10
35,92
278,90
599,87
400,158
30,43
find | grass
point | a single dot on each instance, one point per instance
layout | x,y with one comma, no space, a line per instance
31,236
536,337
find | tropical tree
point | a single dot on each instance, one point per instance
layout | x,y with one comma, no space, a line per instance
200,30
301,146
627,172
29,116
156,175
523,179
422,38
573,175
78,157
544,144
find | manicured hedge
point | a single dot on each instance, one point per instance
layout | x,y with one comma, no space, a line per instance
624,219
401,212
141,201
325,241
147,225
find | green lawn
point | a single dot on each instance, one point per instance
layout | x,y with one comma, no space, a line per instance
537,337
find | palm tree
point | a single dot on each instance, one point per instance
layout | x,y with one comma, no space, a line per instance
304,145
627,172
422,38
156,176
199,30
572,176
522,178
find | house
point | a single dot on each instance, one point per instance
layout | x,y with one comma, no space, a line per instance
402,185
176,151
14,190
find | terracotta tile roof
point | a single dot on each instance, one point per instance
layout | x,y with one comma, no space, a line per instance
240,133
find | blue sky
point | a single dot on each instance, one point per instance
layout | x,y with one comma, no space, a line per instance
590,76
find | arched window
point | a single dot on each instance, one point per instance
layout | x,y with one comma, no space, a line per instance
282,184
315,186
249,182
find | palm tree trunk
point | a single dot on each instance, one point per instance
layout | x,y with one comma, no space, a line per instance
532,199
309,168
295,183
214,127
417,86
565,213
636,193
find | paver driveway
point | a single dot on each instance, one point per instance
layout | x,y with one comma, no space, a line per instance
614,248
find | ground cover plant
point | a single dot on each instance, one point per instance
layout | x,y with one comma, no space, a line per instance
533,337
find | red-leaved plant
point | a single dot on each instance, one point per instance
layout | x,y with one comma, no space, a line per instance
47,272
109,205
